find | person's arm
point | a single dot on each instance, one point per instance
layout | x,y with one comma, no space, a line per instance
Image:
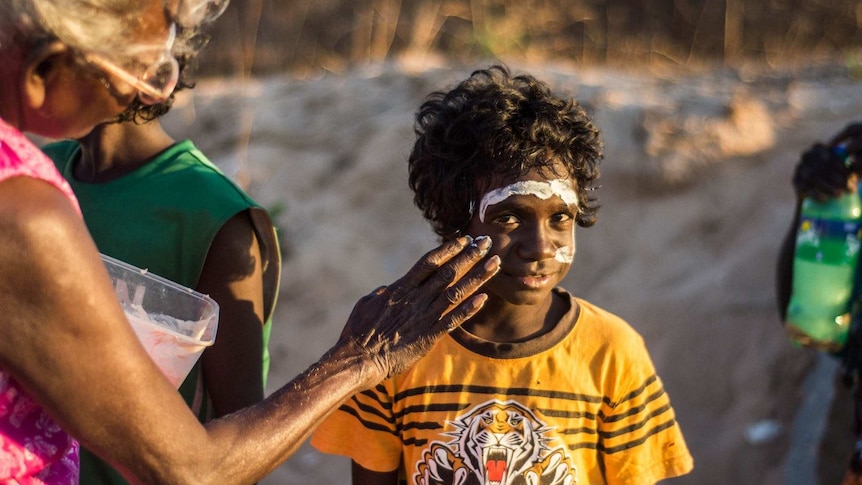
66,341
232,276
364,476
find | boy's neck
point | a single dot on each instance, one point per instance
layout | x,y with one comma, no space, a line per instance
116,149
502,322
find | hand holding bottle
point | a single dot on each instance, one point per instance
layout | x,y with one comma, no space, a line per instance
822,173
828,240
850,137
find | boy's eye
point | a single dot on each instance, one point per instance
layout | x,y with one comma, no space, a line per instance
505,220
562,217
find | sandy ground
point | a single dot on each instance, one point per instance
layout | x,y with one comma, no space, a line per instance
696,199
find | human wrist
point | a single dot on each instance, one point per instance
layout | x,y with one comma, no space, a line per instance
350,358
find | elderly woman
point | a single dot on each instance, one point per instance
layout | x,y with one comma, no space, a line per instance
69,364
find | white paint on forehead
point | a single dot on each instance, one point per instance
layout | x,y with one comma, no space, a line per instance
562,188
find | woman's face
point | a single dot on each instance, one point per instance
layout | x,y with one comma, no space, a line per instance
75,102
82,94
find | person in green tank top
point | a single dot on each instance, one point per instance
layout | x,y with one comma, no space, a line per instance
160,204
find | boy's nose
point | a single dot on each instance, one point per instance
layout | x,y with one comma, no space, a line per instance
538,244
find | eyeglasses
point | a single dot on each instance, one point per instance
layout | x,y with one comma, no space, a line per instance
156,81
192,13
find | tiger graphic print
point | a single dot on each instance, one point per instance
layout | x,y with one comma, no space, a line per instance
496,443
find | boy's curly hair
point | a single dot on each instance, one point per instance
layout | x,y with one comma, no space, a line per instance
496,124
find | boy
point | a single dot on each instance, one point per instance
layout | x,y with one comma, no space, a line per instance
539,387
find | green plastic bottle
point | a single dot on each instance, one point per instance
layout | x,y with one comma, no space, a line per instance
824,271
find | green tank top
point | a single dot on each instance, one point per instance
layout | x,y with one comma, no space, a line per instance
163,217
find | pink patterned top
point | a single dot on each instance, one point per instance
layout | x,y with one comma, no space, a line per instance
34,450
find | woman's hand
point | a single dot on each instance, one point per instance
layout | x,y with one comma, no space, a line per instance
394,326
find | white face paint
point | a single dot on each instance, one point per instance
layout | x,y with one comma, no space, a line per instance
561,188
565,254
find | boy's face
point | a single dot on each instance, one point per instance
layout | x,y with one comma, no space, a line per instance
532,224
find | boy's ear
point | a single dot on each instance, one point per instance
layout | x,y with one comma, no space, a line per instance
42,67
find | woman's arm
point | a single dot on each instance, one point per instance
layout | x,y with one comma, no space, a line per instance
66,340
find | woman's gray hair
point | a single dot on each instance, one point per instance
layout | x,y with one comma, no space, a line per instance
80,24
87,25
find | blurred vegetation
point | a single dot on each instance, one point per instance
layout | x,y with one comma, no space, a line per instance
308,36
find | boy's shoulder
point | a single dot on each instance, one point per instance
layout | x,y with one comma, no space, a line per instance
589,310
604,326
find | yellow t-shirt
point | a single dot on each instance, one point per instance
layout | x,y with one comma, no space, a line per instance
581,403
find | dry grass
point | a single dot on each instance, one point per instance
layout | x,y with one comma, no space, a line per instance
300,36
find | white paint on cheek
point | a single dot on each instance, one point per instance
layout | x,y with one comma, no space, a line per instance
562,188
566,254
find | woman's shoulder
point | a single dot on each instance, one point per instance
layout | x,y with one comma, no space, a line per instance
20,157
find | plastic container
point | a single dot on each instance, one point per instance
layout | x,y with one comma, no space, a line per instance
174,323
824,271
